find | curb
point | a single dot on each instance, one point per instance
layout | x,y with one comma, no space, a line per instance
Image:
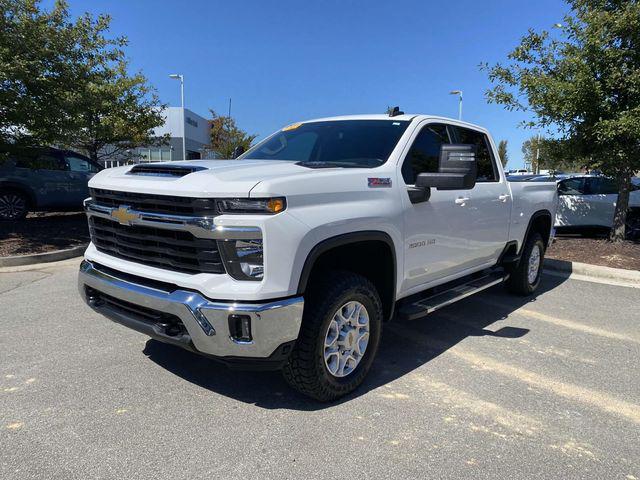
46,257
592,271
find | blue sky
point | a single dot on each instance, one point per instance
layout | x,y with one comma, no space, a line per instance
283,61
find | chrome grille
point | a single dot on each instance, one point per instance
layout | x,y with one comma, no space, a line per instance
157,247
161,244
155,203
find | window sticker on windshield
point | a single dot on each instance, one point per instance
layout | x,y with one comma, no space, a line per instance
293,126
395,123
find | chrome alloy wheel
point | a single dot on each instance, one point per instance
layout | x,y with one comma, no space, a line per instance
12,206
534,264
346,339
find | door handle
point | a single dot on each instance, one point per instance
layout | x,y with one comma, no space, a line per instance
461,201
503,198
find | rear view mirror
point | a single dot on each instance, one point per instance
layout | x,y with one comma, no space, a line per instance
456,171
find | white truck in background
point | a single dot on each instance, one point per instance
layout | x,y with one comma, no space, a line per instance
295,254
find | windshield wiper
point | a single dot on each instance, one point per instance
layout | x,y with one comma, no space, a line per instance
314,164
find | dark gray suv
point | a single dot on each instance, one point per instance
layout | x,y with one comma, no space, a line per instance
41,179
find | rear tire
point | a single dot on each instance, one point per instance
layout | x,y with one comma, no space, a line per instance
525,278
314,368
14,205
632,225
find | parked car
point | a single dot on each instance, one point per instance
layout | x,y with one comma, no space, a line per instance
42,179
292,256
588,202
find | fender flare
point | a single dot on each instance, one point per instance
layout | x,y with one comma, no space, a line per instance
536,215
339,241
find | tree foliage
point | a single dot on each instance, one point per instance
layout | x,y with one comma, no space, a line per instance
551,154
582,83
64,82
226,136
502,152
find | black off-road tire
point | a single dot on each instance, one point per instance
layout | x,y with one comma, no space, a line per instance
306,370
14,205
518,281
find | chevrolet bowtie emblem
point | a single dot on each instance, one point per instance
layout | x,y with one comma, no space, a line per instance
124,215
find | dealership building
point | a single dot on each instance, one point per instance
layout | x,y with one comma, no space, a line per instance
179,123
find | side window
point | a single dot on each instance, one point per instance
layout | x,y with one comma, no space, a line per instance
484,156
46,161
601,186
77,164
571,186
424,155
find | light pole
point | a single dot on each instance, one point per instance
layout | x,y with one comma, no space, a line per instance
459,93
175,76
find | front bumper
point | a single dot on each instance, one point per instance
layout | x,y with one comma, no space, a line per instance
152,307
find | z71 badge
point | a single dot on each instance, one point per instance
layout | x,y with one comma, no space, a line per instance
378,182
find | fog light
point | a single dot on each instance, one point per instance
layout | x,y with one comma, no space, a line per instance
240,328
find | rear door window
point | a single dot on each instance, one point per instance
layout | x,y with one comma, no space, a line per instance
47,161
601,186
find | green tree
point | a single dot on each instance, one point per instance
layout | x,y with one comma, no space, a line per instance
226,136
583,85
502,152
551,154
115,112
64,82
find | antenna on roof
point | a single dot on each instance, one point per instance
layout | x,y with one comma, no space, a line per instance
395,111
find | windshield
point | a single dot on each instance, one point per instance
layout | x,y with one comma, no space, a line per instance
341,143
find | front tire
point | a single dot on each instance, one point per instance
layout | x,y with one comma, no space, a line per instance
525,278
338,339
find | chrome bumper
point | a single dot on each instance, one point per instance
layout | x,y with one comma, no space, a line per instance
207,323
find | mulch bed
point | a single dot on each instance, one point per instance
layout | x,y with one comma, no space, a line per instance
596,251
43,232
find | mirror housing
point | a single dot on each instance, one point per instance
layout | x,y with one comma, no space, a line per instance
457,169
239,150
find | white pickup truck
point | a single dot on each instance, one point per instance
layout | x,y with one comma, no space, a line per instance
295,254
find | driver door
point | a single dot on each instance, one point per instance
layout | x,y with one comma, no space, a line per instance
435,230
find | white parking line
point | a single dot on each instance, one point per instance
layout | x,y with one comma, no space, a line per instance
563,322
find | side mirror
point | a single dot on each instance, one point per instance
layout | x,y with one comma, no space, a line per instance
457,169
239,150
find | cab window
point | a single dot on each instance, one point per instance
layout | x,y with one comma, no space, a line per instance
424,155
484,155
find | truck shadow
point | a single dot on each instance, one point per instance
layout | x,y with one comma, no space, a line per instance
405,346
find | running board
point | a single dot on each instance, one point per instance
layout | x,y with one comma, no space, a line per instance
430,304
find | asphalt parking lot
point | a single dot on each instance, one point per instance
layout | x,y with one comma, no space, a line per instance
492,387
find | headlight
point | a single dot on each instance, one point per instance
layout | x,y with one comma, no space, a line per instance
243,258
267,206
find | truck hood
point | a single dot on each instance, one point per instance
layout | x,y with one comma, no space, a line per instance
228,178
